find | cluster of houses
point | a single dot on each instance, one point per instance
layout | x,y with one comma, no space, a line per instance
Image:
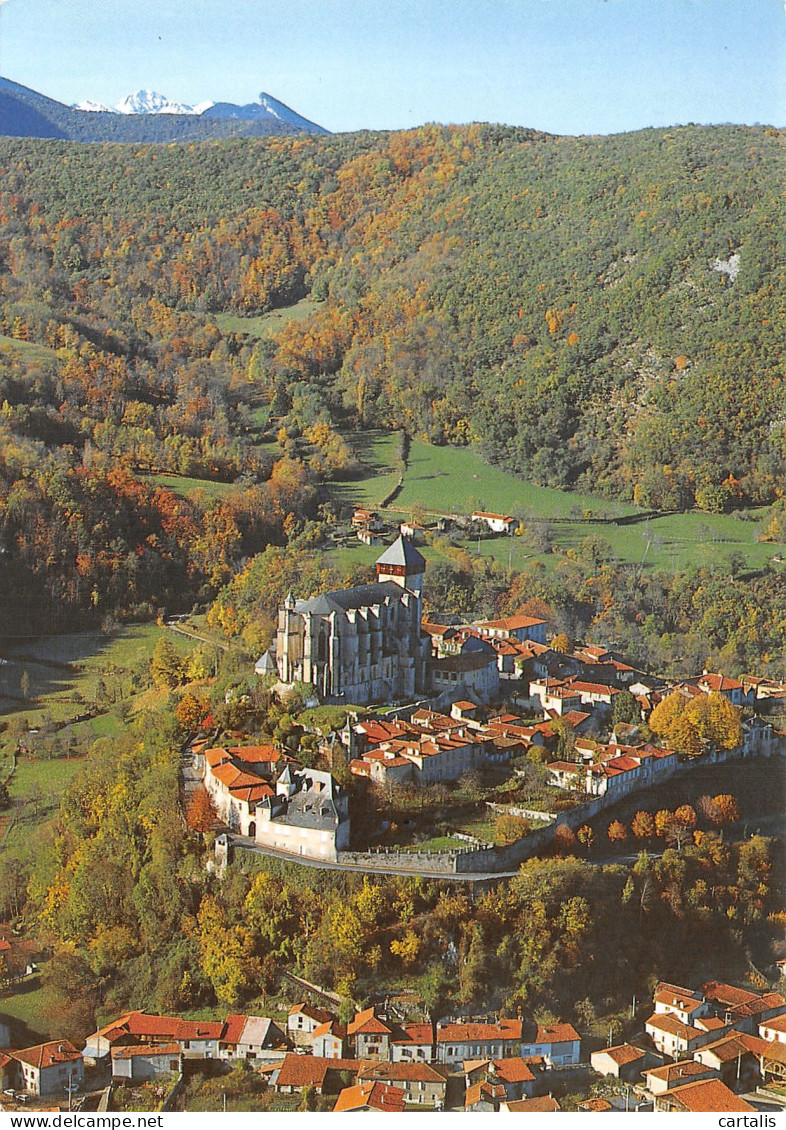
369,528
705,1046
699,1051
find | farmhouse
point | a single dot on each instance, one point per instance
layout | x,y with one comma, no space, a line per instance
497,523
50,1068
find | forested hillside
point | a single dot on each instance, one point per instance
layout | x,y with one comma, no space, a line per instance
597,313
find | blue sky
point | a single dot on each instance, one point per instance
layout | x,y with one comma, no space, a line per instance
566,66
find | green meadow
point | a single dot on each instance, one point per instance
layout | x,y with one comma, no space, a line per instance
444,481
26,350
183,485
265,325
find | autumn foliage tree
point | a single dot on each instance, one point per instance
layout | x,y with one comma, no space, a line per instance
508,828
724,810
617,832
643,825
201,815
191,711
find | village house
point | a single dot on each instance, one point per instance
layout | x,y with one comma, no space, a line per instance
623,1061
554,695
250,1038
515,1077
329,1040
365,519
371,1096
413,1043
236,781
741,1008
673,1037
139,1063
559,1044
303,1020
702,1097
474,673
658,1080
49,1069
239,1037
456,1042
422,1084
540,1104
370,1035
497,523
297,1071
774,1029
483,1097
413,531
520,628
732,1059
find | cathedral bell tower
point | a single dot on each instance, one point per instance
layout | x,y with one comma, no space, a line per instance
402,564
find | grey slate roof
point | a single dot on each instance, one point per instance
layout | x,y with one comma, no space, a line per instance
403,552
361,596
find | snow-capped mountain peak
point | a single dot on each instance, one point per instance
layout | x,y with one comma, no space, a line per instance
151,102
92,107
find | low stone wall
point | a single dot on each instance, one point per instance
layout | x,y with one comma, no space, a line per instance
392,860
526,813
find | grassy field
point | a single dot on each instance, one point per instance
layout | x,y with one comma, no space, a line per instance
32,1005
64,673
377,454
183,485
441,480
265,325
27,350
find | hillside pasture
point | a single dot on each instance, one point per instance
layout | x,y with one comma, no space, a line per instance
456,481
185,486
268,324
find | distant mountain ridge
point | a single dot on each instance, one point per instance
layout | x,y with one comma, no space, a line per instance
145,116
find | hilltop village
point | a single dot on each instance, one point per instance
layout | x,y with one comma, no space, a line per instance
466,748
569,733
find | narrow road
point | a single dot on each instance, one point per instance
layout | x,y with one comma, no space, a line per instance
173,627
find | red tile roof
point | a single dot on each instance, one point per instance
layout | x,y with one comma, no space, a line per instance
511,623
303,1070
378,1096
233,1029
670,1073
556,1034
621,1054
414,1034
541,1104
331,1028
513,1070
401,1072
366,1023
667,1022
465,1033
48,1054
135,1050
707,1095
483,1091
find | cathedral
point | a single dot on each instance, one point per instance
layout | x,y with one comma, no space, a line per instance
362,644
